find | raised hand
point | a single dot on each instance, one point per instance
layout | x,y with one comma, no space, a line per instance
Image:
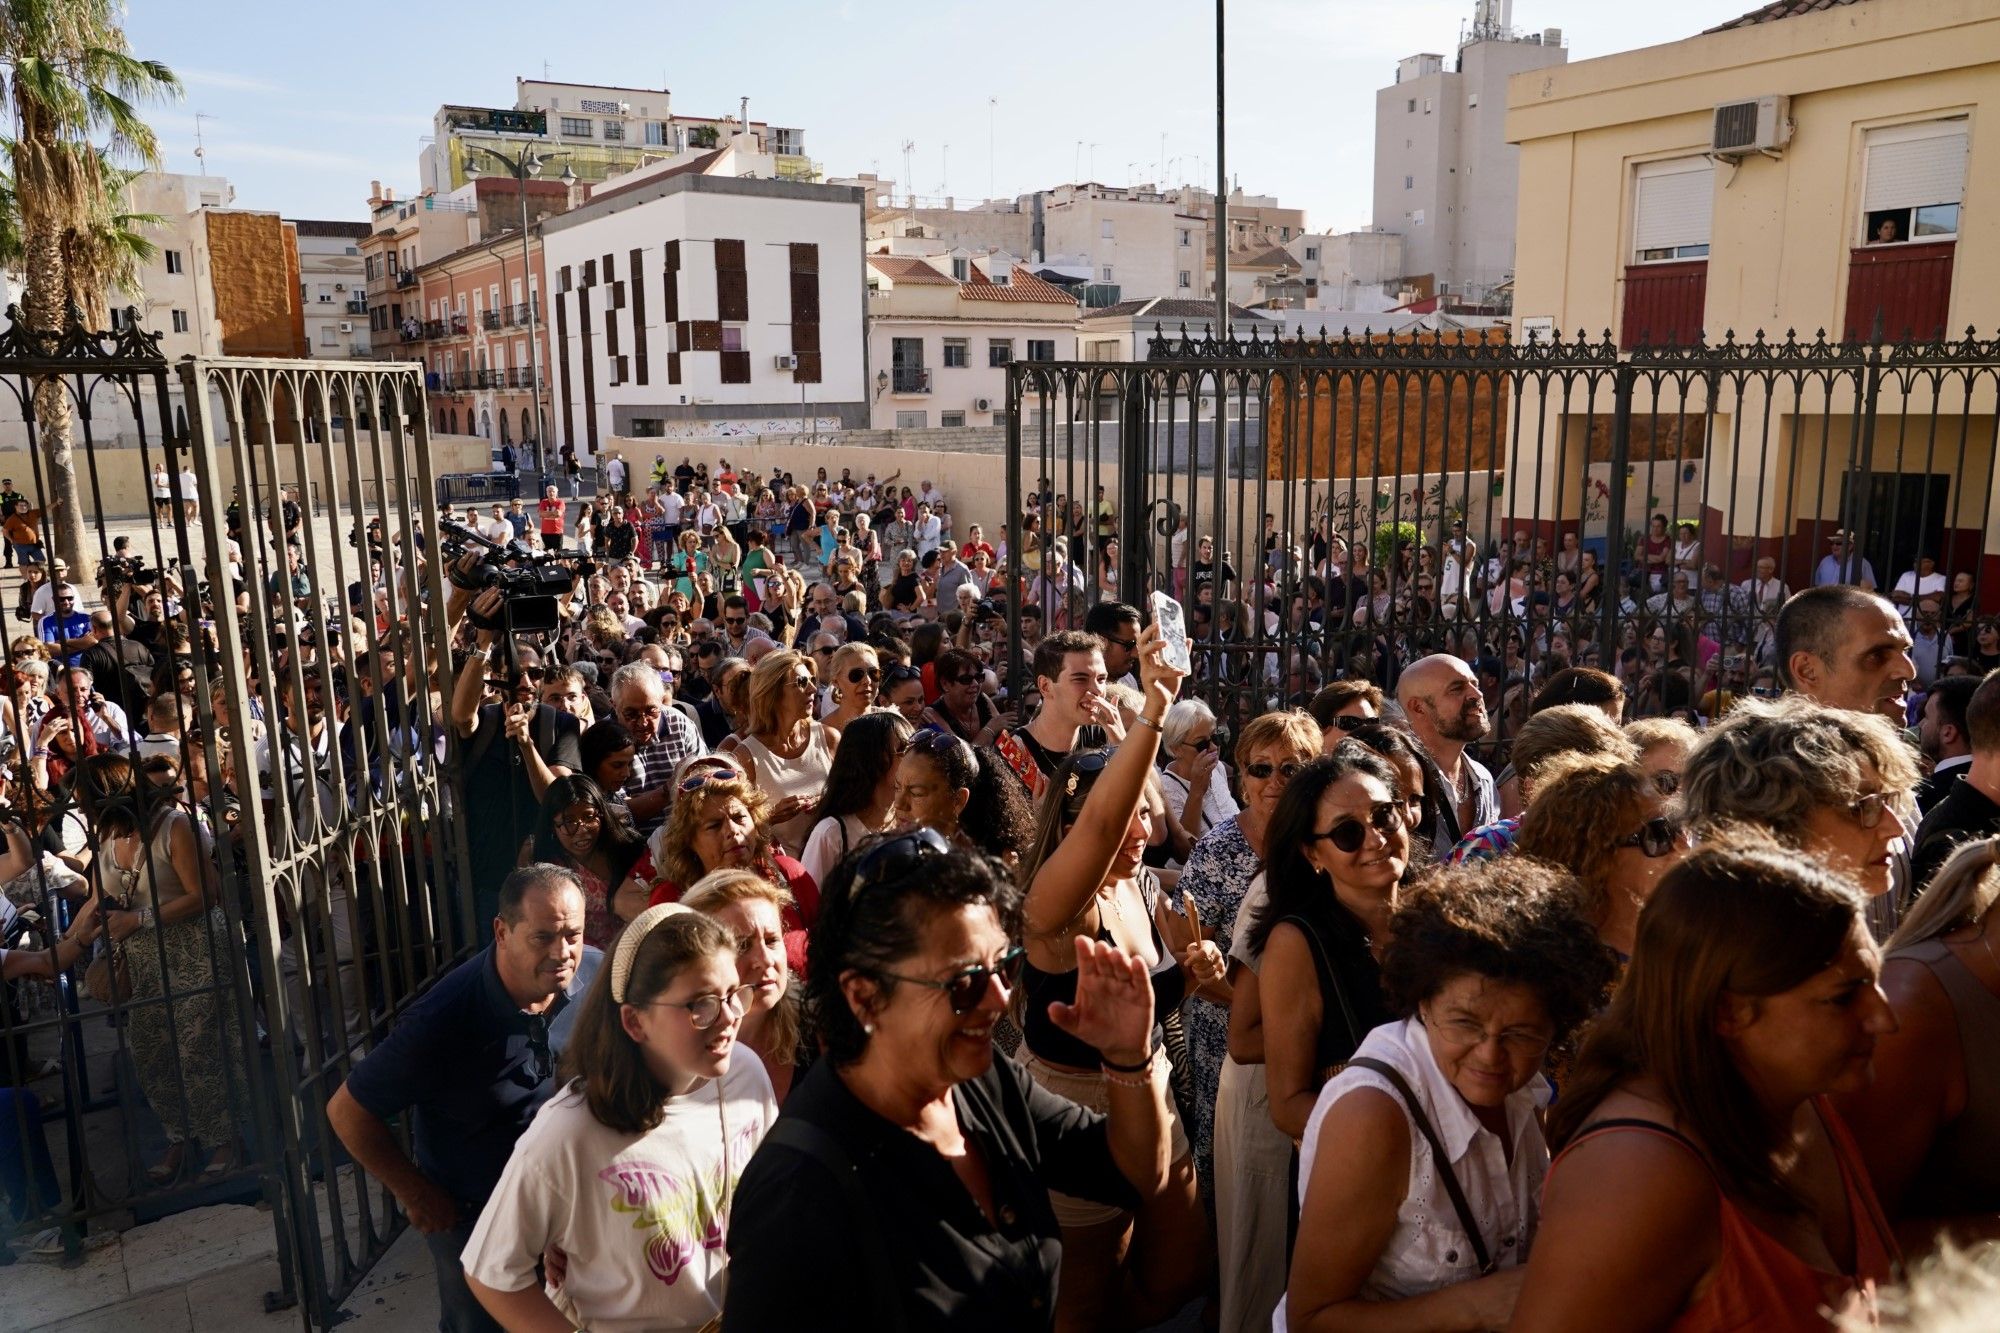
1113,1011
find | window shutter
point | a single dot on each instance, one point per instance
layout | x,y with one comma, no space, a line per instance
1674,207
1911,173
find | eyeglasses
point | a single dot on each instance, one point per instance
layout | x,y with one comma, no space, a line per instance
570,823
897,857
1263,771
967,988
1385,817
706,1010
1201,744
1667,782
1869,808
1656,837
1129,645
1463,1032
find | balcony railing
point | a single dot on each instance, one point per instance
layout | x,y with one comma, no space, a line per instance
459,324
411,332
1899,291
519,377
910,379
357,305
407,278
433,328
1664,304
516,315
489,319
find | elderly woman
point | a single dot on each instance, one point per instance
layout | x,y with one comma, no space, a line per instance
969,795
860,791
1926,1121
578,829
1603,819
1195,782
1487,968
717,822
784,751
940,1153
1703,1179
1832,784
904,590
855,676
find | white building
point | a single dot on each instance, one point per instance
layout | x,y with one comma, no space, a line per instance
1124,332
1134,242
1446,178
1353,271
332,287
942,333
688,306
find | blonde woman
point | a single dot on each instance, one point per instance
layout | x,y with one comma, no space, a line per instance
856,677
785,753
752,908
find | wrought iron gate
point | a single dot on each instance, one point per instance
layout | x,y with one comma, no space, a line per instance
1485,481
287,535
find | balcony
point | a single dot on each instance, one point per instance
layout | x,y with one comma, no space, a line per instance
433,328
520,377
910,379
1899,291
459,325
489,320
357,305
516,316
407,278
1664,304
411,332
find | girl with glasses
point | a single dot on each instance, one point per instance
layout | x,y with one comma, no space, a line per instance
630,1170
1423,1158
579,829
860,789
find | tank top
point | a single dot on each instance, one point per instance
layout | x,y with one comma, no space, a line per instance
1961,1175
1039,989
1758,1283
779,777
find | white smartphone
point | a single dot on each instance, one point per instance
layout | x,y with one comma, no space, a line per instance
1173,631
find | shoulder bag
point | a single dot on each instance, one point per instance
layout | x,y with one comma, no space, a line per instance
1438,1157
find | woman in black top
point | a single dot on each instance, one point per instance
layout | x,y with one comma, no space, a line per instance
934,1154
1339,849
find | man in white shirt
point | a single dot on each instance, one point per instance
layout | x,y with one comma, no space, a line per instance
1767,592
614,472
929,532
76,699
1923,581
1838,565
189,503
928,494
495,527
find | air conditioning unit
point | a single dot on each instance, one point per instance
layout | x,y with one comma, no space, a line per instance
786,361
340,286
982,404
347,326
1756,125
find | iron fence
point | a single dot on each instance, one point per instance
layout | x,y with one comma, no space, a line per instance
255,759
1369,500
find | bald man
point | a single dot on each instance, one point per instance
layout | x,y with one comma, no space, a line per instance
1441,698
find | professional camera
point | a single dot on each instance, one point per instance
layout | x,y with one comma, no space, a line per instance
531,582
115,571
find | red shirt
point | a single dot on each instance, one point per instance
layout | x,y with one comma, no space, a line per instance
797,918
552,516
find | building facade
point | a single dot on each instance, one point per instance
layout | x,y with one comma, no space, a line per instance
1445,174
941,338
1125,243
332,287
485,343
689,306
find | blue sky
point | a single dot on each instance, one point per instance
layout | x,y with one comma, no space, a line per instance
304,107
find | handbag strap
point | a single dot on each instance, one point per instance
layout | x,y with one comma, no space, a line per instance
884,1299
1438,1155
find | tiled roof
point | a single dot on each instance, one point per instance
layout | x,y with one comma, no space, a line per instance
1271,256
352,230
1161,307
1779,9
904,268
1021,286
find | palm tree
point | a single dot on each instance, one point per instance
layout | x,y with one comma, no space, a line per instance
71,81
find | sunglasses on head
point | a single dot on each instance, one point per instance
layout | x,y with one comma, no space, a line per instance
1385,817
1656,837
966,988
1262,770
932,741
897,857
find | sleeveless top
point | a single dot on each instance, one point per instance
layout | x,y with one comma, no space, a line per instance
1960,1174
1350,992
779,777
1758,1283
1039,989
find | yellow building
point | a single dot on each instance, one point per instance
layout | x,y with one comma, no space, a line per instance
1825,170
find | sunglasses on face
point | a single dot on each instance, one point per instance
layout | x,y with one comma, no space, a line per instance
1263,771
1352,722
965,989
857,674
1656,837
1201,744
1385,817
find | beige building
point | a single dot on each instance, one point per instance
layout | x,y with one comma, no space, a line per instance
331,287
941,335
1827,170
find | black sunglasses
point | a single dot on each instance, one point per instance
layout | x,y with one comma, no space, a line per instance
1385,817
1262,771
1203,745
1656,837
1350,722
967,988
856,674
897,857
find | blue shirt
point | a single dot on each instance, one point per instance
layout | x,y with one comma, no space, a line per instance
57,627
474,1067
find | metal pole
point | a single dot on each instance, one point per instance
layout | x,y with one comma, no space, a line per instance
1222,329
534,342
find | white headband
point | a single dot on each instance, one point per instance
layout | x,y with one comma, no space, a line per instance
628,944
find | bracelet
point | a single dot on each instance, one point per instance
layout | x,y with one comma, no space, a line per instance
1156,726
1141,1082
146,918
1142,1067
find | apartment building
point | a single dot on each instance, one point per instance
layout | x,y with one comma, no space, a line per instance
1445,173
1123,242
693,306
484,342
942,333
1357,272
600,131
332,287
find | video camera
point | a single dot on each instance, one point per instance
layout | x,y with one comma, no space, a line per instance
115,571
531,582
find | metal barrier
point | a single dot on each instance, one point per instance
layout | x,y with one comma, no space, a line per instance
277,813
1508,501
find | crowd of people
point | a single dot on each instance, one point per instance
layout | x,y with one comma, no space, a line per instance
832,985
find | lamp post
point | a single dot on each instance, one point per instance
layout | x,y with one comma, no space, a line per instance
529,163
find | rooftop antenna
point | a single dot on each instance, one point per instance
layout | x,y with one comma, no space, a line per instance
944,172
992,110
200,151
910,175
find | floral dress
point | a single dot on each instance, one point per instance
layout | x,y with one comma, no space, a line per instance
1219,870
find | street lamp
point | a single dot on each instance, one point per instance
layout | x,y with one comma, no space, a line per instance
529,163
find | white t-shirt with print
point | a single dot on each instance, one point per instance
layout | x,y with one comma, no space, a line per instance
642,1217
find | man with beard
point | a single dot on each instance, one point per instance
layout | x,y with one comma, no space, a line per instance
1441,698
1944,737
475,1057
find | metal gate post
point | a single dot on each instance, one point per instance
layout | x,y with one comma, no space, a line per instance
1622,380
1134,473
1859,487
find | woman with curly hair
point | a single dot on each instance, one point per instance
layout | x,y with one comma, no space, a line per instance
1602,818
969,795
718,822
1487,968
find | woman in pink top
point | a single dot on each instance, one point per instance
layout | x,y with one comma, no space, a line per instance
1703,1180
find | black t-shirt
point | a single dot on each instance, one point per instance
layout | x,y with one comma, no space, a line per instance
684,478
500,803
952,1268
1963,813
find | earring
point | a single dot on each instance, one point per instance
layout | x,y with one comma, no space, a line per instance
868,1029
